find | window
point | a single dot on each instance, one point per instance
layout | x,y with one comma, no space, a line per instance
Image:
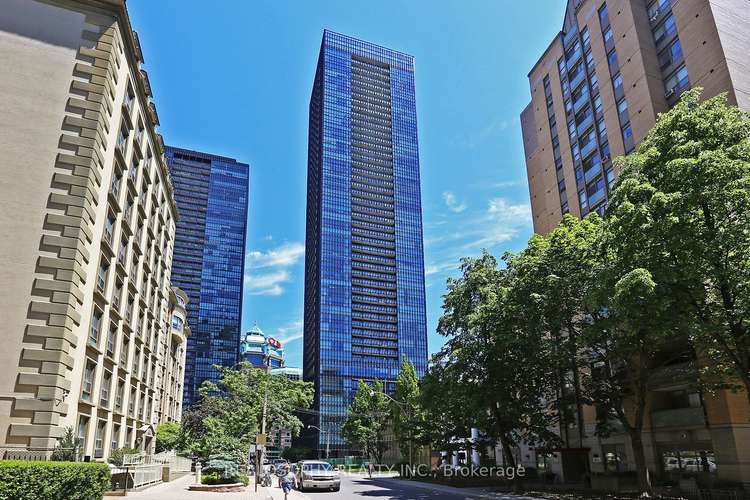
115,437
622,106
665,29
657,8
590,61
101,276
678,81
585,36
627,132
96,327
104,392
612,59
129,97
83,430
99,438
602,126
617,81
177,322
598,104
111,340
109,228
671,54
88,380
119,395
607,34
604,16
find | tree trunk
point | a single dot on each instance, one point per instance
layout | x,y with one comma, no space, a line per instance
636,440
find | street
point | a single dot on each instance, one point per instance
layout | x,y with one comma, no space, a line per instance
387,488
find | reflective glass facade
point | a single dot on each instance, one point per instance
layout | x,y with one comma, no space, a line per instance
211,193
364,276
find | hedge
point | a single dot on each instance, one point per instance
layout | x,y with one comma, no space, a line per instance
30,480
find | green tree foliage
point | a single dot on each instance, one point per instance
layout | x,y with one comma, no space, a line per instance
553,277
25,480
67,447
168,436
692,175
294,454
407,414
230,413
493,369
367,420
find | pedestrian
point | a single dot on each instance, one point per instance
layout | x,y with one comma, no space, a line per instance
370,468
287,482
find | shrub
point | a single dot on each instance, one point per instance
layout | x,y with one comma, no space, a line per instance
28,480
117,455
226,467
211,478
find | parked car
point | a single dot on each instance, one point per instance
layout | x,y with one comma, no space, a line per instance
317,475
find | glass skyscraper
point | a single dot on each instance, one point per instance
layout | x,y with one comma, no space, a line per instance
364,264
209,255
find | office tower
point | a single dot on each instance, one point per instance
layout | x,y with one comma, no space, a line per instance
260,351
364,266
597,89
209,256
88,218
595,94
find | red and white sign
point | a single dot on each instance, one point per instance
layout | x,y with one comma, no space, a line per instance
273,342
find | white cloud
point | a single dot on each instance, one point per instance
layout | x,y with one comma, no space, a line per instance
440,267
502,221
266,283
290,332
284,255
452,203
267,271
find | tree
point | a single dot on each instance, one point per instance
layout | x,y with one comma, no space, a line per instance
67,447
492,360
695,166
366,421
230,413
554,274
168,436
636,313
406,411
296,454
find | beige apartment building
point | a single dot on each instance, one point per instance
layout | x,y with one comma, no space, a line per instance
93,334
595,93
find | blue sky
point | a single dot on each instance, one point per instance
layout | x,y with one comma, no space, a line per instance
233,77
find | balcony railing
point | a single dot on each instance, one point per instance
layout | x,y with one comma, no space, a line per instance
678,417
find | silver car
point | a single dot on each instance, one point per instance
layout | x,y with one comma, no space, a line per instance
317,475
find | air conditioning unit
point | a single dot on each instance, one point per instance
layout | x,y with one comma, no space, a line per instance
670,92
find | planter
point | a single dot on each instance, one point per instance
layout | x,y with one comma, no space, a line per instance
217,487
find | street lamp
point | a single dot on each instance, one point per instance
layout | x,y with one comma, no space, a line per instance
407,407
328,438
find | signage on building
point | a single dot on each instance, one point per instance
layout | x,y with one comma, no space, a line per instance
273,342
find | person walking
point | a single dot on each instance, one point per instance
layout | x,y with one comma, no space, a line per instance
287,482
370,468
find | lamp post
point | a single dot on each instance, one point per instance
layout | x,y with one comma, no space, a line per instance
328,438
407,407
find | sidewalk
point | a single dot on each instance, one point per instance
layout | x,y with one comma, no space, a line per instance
178,490
460,492
277,494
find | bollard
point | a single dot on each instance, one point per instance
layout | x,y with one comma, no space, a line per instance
198,473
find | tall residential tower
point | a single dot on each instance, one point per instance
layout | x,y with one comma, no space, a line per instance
596,92
364,265
598,87
209,254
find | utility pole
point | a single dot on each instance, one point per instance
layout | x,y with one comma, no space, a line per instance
260,448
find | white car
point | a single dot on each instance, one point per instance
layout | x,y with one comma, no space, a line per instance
317,475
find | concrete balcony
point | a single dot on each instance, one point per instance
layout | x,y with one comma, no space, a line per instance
679,417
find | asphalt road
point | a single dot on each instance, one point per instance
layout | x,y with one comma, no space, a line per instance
353,486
